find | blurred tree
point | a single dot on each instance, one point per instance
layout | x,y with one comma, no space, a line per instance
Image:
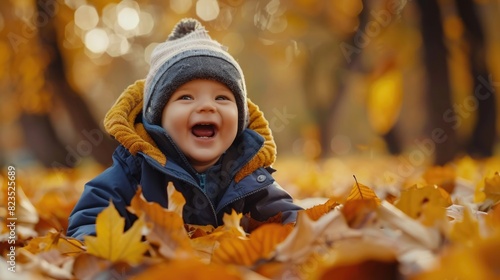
40,49
438,91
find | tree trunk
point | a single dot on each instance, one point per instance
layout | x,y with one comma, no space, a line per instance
483,137
83,122
437,89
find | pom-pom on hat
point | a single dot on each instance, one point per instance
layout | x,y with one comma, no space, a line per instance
189,53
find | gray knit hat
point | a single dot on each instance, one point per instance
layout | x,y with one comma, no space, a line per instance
189,53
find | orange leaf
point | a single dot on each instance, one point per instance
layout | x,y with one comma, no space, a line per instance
356,211
55,240
249,224
259,245
317,211
442,176
188,269
111,242
360,191
166,227
176,200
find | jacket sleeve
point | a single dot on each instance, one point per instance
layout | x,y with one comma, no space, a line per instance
270,201
116,183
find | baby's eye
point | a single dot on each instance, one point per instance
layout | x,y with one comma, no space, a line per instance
222,97
185,97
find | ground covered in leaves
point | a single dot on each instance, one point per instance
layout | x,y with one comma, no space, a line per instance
392,220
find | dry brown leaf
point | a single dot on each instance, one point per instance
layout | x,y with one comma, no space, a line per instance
112,243
166,228
87,266
259,244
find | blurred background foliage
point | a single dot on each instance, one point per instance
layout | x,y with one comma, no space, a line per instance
334,78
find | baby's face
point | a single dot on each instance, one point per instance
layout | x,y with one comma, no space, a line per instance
201,116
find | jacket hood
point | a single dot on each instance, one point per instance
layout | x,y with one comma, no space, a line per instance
120,123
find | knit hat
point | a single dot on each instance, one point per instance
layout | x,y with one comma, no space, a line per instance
189,53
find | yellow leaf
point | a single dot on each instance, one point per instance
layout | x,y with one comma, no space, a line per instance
492,187
232,224
112,243
166,227
176,200
259,245
462,232
384,101
414,198
360,191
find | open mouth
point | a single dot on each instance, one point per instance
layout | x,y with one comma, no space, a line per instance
204,130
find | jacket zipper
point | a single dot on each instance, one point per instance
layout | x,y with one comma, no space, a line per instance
160,168
201,177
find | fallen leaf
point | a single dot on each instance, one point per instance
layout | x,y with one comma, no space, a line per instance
259,244
176,200
492,188
359,212
317,211
360,191
189,269
249,224
111,242
307,235
441,176
55,240
463,231
166,228
414,198
87,266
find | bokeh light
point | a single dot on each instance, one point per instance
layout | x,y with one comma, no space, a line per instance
86,17
97,40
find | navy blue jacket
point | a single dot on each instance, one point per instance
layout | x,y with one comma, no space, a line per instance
147,157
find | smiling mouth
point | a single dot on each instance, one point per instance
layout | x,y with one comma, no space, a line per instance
203,130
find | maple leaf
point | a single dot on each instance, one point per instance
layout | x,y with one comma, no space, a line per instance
111,242
259,244
166,228
360,191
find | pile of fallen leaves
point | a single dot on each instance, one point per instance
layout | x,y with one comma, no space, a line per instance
444,226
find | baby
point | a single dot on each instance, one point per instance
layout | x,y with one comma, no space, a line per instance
189,123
